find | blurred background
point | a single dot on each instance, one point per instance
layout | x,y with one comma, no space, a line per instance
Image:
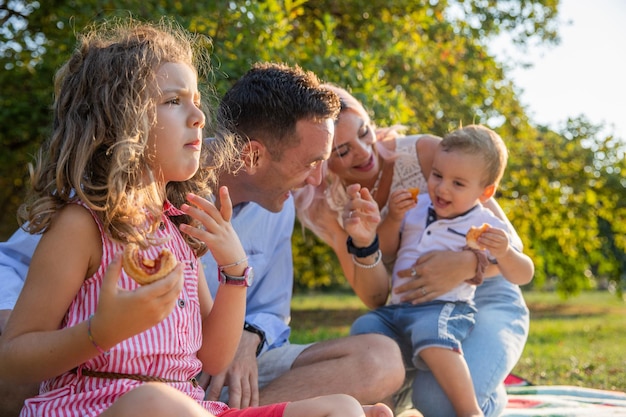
581,75
428,65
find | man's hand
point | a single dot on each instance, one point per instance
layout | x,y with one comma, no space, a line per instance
241,378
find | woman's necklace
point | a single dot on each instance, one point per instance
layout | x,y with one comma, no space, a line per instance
377,183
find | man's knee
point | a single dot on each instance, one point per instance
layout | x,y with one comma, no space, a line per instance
384,358
12,397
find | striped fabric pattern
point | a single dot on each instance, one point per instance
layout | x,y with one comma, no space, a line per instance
168,350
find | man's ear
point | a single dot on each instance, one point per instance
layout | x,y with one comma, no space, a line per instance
253,154
488,192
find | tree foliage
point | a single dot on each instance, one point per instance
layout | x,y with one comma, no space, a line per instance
423,64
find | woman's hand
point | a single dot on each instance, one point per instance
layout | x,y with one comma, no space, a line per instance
436,273
361,216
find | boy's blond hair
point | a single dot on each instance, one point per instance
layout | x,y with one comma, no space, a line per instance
478,139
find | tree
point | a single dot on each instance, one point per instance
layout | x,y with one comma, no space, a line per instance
419,63
563,196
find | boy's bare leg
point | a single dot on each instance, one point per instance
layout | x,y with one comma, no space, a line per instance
368,367
450,370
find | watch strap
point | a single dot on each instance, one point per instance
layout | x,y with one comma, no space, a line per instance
253,329
362,252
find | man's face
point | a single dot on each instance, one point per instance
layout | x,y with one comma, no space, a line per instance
296,167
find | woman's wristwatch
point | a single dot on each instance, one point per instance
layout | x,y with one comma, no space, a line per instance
362,252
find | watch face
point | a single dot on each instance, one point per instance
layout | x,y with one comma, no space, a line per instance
245,280
248,274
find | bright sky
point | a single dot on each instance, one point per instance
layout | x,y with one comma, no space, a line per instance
585,74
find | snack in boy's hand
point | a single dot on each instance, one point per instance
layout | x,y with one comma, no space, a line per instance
414,192
473,234
146,271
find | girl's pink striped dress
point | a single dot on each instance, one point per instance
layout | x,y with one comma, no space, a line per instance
167,351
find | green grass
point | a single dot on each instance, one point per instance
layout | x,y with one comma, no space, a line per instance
578,341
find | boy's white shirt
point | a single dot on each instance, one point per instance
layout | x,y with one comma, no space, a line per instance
418,239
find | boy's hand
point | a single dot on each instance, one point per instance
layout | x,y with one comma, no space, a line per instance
496,241
400,201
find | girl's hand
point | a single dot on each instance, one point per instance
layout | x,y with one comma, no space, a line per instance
216,232
496,241
361,216
400,201
122,313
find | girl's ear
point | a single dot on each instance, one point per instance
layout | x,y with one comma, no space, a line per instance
253,154
488,192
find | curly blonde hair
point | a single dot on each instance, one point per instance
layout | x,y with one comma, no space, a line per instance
103,111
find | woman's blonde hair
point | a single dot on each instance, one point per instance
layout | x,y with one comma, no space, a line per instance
332,190
103,111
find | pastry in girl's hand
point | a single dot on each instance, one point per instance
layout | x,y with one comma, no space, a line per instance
473,234
144,270
414,192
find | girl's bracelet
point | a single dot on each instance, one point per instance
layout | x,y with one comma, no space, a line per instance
93,342
239,262
379,256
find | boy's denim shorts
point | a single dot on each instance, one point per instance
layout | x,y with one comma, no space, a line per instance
416,327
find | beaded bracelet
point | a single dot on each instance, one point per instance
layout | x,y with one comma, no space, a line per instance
93,342
239,262
379,256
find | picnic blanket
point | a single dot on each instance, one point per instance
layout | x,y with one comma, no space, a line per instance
527,400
